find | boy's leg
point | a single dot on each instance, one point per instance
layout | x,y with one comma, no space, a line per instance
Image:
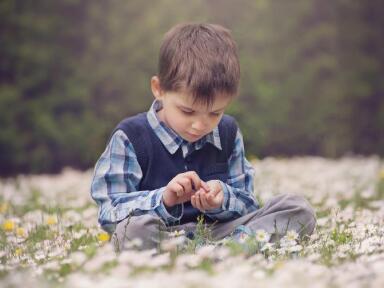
279,215
151,230
147,228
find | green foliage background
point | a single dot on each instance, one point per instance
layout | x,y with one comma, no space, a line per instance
312,75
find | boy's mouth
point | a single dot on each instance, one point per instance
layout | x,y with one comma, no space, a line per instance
193,136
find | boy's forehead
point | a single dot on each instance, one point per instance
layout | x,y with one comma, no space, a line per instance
219,102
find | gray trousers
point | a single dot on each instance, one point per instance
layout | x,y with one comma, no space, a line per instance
279,215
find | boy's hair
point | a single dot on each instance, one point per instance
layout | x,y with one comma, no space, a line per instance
201,60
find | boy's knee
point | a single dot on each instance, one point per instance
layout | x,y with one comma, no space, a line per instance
143,227
306,215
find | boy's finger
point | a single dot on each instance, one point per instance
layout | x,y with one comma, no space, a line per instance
204,201
185,182
197,182
195,179
193,201
213,201
201,190
178,189
205,186
198,202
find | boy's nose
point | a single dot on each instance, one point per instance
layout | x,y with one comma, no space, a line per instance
199,125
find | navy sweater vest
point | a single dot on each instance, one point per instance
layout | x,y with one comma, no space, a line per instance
159,166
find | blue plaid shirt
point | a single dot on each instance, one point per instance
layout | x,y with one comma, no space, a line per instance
119,164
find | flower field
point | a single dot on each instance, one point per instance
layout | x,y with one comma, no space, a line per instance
49,235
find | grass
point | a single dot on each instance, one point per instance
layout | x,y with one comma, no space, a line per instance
337,240
83,241
43,232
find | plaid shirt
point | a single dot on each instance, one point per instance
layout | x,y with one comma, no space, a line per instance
118,197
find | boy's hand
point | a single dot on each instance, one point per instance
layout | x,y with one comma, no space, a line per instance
181,188
206,200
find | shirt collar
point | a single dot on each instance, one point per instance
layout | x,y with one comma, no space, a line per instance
170,139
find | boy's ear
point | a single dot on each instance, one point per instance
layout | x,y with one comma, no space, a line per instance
155,87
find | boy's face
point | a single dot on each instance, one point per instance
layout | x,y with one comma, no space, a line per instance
190,120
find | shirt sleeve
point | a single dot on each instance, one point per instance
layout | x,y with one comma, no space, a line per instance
239,198
115,185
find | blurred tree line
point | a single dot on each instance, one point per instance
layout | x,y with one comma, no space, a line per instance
312,74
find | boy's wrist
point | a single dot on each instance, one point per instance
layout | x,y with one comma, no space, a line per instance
165,199
175,211
168,214
166,205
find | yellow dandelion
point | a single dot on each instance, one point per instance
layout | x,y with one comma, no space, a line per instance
103,237
51,220
177,233
18,251
4,207
20,232
8,225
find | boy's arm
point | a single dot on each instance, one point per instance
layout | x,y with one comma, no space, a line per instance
238,189
115,183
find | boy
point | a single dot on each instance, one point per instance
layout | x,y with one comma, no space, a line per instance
184,157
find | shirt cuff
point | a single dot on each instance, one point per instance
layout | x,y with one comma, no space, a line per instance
171,214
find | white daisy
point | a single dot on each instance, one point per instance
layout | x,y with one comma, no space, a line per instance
292,235
262,236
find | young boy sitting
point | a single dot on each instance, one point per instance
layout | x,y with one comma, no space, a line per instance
185,157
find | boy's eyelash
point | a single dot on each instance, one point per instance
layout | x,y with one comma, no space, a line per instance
191,112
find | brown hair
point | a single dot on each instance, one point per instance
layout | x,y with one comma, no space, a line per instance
199,59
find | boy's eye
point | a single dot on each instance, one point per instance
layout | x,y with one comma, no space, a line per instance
186,111
190,112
